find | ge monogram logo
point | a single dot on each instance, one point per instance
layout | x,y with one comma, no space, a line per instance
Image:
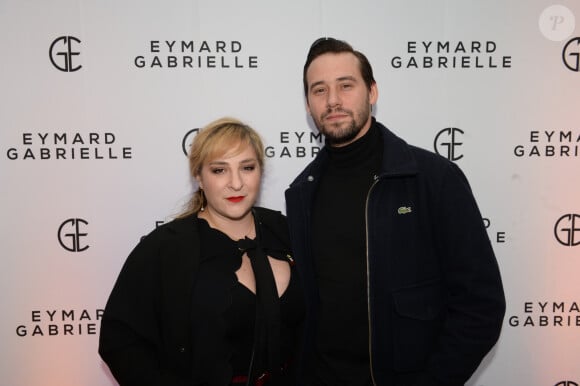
61,53
567,230
187,140
69,235
450,145
566,383
571,54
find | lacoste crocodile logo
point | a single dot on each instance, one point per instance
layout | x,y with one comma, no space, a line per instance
404,210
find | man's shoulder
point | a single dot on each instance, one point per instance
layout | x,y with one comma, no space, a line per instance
312,168
401,154
428,156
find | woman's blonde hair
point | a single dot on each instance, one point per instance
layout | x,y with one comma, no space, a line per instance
214,140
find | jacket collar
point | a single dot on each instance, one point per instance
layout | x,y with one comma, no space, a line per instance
398,158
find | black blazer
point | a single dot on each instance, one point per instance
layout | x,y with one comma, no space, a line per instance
155,329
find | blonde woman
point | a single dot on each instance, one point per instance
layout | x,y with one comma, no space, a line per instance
210,298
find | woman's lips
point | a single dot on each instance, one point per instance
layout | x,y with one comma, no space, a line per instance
235,199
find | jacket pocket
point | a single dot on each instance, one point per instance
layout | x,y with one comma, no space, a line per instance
417,321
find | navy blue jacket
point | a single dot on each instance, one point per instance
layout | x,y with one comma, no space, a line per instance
436,301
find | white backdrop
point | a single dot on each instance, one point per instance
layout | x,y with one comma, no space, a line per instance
98,100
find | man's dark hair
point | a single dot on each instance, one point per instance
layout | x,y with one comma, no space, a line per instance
325,45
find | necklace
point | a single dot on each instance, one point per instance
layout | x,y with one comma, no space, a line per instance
249,232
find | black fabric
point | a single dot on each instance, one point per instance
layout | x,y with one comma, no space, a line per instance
342,351
151,335
248,321
215,290
240,320
267,347
436,300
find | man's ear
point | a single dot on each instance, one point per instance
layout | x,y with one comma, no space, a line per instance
373,94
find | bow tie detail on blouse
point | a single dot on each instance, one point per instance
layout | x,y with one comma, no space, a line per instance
267,338
247,244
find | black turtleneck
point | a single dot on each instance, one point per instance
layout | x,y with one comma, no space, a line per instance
339,249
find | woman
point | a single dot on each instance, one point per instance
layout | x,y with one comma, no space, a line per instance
211,297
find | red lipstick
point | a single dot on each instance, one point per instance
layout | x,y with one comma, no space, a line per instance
235,199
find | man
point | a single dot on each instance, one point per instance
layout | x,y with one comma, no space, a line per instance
402,285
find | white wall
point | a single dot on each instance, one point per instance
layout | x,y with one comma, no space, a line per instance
126,124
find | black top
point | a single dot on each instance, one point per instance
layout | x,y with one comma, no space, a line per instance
339,250
221,258
163,322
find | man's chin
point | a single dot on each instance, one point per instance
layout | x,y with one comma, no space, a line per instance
336,140
340,141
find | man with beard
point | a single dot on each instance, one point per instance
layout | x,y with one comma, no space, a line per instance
402,285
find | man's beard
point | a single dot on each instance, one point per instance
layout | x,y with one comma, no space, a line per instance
341,136
342,133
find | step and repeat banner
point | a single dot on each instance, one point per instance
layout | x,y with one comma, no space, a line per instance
99,101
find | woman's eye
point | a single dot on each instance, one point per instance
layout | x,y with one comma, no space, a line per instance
250,167
217,170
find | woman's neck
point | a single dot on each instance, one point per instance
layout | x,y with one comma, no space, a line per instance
236,229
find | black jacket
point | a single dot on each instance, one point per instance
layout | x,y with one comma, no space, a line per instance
156,330
436,301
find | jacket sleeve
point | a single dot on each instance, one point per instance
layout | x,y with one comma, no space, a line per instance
129,340
474,291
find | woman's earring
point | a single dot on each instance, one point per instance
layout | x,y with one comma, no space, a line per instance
202,196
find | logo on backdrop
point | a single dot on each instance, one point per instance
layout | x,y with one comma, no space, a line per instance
444,55
292,144
567,230
446,143
550,144
296,144
60,322
69,146
188,139
202,54
557,23
547,314
495,235
566,383
571,55
72,234
64,54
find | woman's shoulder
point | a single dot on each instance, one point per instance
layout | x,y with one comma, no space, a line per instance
166,238
270,216
274,227
165,245
173,228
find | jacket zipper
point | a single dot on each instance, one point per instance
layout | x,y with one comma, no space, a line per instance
376,180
